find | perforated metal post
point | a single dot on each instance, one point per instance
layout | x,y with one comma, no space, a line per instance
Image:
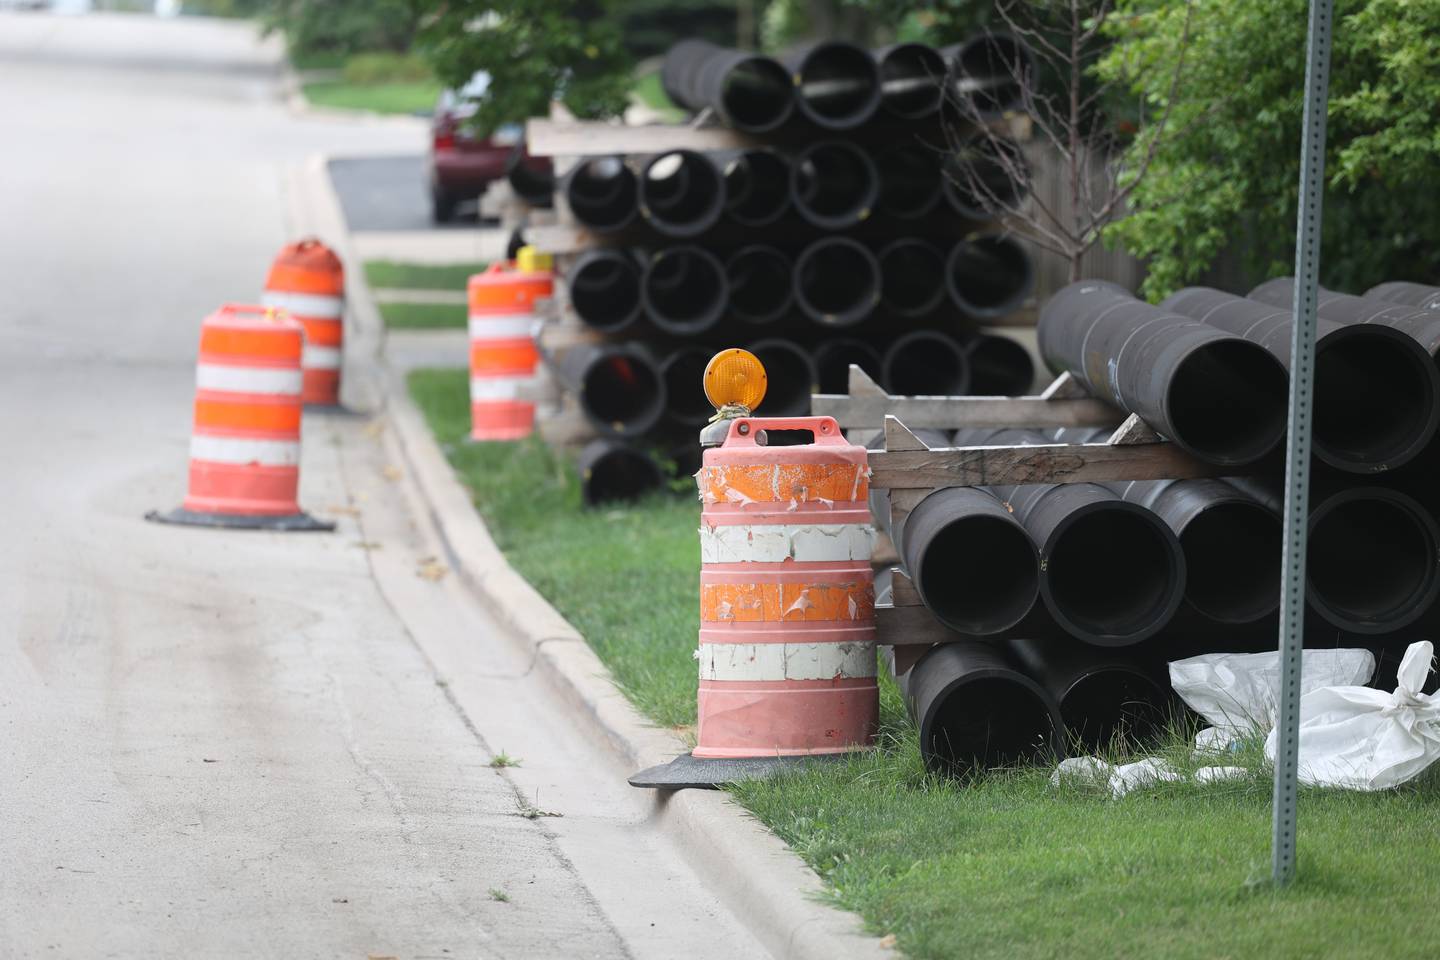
1297,458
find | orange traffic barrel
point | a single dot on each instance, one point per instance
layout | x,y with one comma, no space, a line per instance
307,281
787,599
245,448
503,355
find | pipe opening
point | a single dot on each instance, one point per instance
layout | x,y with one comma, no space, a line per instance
839,85
979,574
757,188
999,367
684,290
1227,402
757,94
618,474
837,281
1113,706
912,277
989,276
834,184
992,73
624,391
909,180
683,373
789,378
681,193
602,193
912,80
1232,562
834,357
760,284
1129,595
926,364
1374,398
987,722
986,177
1371,562
605,292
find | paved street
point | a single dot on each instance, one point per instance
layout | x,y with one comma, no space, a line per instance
218,744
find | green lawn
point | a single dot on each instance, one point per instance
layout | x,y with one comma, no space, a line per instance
420,276
1004,865
649,91
409,96
423,316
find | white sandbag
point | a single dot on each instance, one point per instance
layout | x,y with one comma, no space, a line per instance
1120,779
1240,692
1363,739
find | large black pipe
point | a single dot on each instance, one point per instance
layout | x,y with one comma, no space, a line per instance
834,184
974,565
986,177
532,178
910,180
613,471
999,366
1112,572
1420,295
619,387
1377,392
912,276
976,711
925,363
746,91
682,370
1218,396
605,289
761,284
1417,322
833,358
789,377
681,193
836,282
912,80
602,194
990,74
1371,564
684,290
1106,698
837,84
989,276
757,186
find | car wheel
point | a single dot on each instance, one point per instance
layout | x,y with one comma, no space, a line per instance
442,206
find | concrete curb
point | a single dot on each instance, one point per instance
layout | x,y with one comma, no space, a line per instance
750,869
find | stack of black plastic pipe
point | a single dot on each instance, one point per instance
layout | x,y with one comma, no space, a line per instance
837,236
1068,599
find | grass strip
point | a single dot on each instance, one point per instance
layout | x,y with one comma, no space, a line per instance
423,316
1001,866
404,96
393,274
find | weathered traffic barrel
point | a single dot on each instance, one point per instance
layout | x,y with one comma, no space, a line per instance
503,356
307,281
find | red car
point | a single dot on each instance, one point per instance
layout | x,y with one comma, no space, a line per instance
463,163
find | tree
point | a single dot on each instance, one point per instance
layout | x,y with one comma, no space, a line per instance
535,51
1228,180
1079,120
342,28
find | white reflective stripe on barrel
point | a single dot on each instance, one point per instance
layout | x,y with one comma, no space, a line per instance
304,304
270,380
265,453
320,358
501,326
778,542
786,661
496,388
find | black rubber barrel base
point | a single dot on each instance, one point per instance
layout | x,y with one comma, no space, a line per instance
707,774
293,522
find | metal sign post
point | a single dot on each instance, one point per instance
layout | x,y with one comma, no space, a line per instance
1297,457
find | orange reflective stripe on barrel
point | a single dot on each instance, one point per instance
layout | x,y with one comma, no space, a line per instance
503,354
245,448
787,600
307,280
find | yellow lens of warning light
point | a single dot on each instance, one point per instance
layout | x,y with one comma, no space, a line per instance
734,377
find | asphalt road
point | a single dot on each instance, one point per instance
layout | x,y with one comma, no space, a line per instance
219,744
389,193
